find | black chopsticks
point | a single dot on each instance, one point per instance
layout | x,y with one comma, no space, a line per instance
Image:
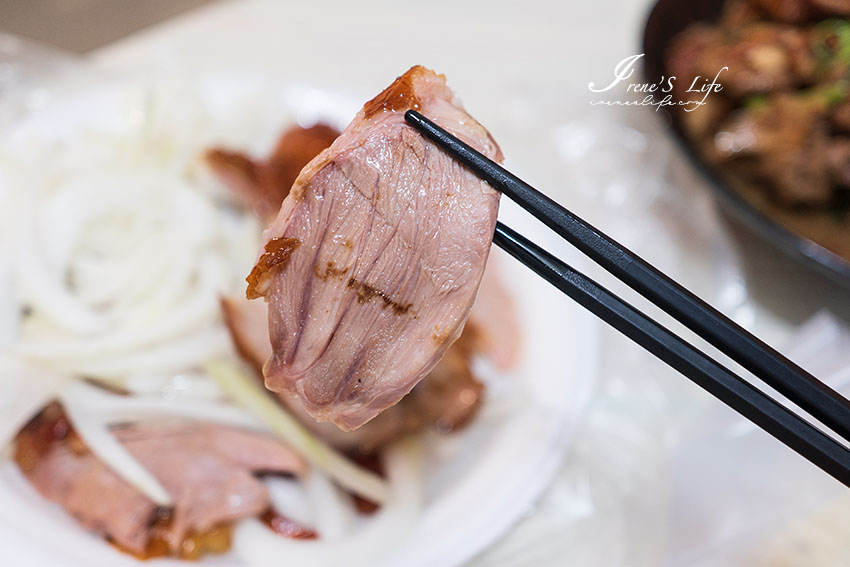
796,384
719,381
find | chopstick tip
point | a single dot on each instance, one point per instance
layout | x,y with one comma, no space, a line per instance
414,118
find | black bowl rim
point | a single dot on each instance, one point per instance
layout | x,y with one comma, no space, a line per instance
791,243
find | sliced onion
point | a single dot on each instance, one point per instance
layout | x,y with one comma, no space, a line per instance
335,514
9,310
372,543
24,391
173,356
289,497
95,432
201,308
111,409
41,287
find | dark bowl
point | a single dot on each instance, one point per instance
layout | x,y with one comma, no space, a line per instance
668,18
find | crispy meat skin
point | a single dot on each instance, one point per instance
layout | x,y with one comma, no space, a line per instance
394,239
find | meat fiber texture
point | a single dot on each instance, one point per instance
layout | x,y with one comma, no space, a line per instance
372,265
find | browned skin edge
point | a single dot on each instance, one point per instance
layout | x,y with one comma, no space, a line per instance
262,185
398,96
274,258
331,271
226,161
286,527
366,292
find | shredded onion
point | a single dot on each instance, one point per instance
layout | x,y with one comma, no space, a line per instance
335,514
200,309
42,287
112,409
119,251
173,356
95,432
289,497
387,528
24,390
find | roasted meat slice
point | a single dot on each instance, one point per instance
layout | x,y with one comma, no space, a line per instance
208,470
496,321
445,400
262,185
371,267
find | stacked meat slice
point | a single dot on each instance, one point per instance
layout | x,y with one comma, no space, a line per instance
208,470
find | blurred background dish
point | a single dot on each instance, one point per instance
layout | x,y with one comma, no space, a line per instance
766,142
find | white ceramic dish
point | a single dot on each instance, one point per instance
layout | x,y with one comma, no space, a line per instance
477,483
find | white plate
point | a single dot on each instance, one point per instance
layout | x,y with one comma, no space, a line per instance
479,482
